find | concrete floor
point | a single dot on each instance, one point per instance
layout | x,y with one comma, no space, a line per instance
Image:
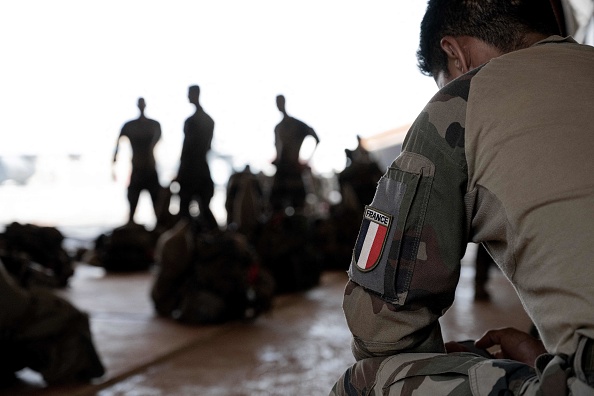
300,348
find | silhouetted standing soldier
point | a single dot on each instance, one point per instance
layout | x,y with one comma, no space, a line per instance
143,134
288,187
193,175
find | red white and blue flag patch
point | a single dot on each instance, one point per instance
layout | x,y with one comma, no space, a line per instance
371,239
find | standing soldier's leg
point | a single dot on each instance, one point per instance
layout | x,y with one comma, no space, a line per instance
133,196
185,197
134,189
154,188
204,205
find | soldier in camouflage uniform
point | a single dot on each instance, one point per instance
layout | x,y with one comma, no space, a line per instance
502,155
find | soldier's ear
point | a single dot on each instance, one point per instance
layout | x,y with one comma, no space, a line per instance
457,59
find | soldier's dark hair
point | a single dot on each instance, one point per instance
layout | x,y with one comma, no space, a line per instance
500,23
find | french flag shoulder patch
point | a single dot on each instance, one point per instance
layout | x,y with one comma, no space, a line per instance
372,238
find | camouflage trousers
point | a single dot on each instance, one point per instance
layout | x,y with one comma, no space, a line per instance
469,374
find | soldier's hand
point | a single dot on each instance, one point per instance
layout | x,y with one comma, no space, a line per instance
454,346
514,344
466,346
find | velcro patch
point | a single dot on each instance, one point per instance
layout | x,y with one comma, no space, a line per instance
372,238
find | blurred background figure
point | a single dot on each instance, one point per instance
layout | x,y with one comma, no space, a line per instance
195,181
358,180
245,203
288,188
143,134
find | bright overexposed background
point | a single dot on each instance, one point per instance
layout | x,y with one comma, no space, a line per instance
73,70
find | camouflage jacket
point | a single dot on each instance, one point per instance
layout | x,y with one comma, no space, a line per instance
406,261
450,185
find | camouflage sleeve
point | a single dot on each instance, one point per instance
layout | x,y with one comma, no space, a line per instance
406,261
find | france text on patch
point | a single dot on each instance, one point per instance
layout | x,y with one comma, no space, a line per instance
371,239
